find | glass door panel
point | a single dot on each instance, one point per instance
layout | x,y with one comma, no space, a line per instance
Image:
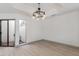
11,32
4,33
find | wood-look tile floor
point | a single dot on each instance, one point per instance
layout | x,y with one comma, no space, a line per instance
40,48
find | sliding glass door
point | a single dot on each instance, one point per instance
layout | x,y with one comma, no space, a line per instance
7,32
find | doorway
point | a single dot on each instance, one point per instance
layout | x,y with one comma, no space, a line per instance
22,32
7,32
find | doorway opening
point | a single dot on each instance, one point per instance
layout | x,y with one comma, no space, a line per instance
22,32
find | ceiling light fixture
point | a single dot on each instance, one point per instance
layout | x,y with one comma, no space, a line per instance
39,14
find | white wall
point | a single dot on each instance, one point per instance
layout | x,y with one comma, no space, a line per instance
33,30
62,29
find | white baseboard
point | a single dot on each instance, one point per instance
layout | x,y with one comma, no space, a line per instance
62,43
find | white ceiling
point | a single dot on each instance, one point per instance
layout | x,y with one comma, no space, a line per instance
29,8
6,8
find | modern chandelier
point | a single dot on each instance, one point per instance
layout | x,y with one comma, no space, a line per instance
39,14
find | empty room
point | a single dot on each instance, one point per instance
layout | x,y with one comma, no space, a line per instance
39,29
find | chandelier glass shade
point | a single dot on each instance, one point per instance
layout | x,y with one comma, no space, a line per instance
39,14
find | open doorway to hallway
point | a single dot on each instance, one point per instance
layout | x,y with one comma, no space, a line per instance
22,32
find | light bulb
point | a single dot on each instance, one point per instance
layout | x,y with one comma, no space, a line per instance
33,17
43,17
37,15
37,19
